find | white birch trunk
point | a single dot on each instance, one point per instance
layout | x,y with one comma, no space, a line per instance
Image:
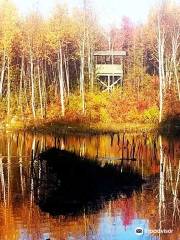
21,82
2,73
40,90
161,68
32,86
61,81
66,63
8,88
82,76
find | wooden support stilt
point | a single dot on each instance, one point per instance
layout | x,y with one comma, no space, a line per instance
108,83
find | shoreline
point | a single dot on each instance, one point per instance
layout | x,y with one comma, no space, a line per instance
57,127
60,127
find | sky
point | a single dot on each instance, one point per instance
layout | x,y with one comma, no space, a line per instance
109,11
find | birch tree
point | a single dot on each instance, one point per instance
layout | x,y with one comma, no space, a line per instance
57,27
161,42
61,79
8,18
82,56
168,47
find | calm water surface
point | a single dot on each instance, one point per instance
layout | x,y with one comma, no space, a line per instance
156,207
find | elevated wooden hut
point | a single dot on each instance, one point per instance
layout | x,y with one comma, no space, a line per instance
109,68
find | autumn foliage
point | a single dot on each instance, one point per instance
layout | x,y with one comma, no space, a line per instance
47,67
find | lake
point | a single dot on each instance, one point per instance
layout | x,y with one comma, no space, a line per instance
151,213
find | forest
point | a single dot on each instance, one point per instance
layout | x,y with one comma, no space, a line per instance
81,158
47,72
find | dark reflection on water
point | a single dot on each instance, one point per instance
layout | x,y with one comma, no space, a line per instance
156,207
71,185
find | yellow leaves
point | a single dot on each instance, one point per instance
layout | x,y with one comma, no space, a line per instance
34,33
151,115
8,26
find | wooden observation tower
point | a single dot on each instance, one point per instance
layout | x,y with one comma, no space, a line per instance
109,68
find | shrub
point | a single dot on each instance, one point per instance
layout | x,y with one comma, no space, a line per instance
151,115
104,116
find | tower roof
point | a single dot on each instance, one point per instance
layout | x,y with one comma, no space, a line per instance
110,53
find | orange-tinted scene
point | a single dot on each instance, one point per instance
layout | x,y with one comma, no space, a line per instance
89,120
155,206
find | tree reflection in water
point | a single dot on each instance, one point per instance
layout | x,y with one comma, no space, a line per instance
157,206
70,184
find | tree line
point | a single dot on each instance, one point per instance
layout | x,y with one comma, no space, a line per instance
47,60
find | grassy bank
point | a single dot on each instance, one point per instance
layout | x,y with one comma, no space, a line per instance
104,112
60,128
169,127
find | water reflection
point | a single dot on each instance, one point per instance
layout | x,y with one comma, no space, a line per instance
65,183
157,207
